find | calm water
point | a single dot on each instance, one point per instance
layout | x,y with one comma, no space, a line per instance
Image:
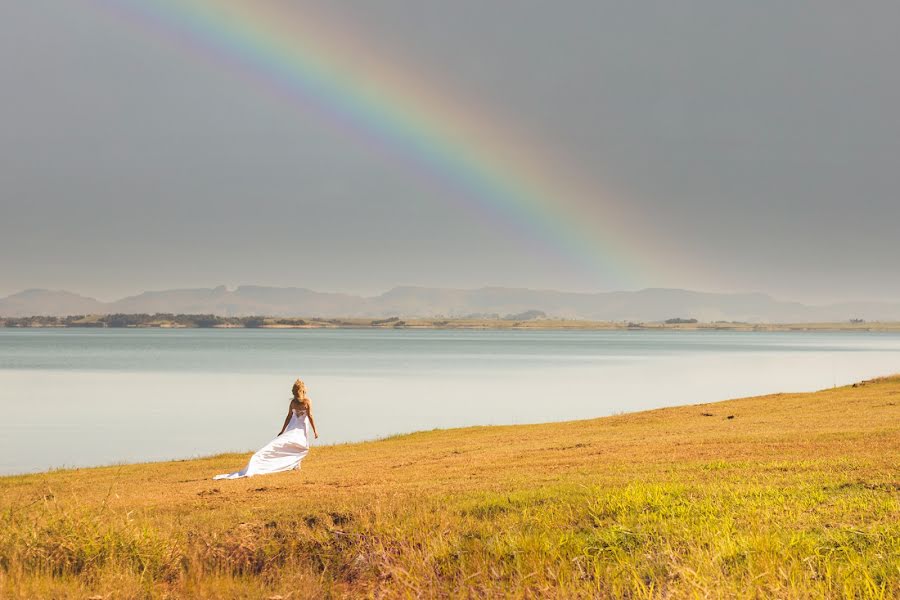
72,397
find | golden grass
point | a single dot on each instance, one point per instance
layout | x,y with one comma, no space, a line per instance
785,496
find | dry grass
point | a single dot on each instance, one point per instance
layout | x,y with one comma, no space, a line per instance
791,495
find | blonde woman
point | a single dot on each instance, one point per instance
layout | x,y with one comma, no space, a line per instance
285,452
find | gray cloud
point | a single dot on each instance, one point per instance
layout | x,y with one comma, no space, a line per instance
761,138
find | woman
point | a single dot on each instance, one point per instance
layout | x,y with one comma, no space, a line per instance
287,450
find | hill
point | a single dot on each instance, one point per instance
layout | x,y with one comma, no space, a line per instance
49,302
782,496
644,305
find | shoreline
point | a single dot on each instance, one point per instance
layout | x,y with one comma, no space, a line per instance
397,323
452,431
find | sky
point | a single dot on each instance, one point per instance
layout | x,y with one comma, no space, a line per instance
727,147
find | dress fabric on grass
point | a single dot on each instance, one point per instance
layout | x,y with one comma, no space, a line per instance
284,453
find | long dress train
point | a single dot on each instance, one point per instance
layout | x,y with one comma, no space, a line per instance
284,453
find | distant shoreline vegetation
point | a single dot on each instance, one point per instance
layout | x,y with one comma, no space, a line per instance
532,319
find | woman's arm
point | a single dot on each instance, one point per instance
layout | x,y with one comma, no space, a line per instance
287,420
312,422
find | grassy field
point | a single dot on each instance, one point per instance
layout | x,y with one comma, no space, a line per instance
783,496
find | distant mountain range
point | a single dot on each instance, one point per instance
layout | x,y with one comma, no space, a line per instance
653,304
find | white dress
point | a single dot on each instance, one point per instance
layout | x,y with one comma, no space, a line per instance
284,453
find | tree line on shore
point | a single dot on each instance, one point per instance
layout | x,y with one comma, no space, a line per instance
211,320
144,320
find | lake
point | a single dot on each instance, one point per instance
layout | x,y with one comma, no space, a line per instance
76,397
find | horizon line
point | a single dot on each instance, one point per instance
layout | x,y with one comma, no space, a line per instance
361,295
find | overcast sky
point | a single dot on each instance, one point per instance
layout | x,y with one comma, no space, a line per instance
761,140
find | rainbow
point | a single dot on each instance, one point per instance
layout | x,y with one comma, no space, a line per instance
343,76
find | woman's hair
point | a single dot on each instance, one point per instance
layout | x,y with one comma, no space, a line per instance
299,392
